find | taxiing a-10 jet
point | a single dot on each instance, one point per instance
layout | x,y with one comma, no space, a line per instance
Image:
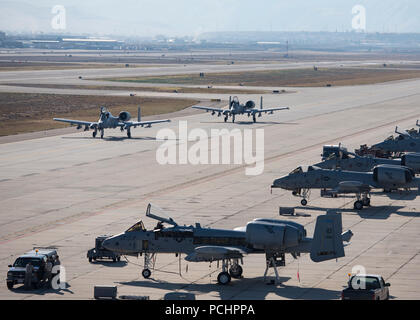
236,108
335,182
274,238
108,121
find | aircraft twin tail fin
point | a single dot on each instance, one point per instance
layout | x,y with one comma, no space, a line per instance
327,242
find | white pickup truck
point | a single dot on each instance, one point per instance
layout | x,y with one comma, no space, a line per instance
366,287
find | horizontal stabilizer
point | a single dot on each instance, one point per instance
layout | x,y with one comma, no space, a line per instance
346,236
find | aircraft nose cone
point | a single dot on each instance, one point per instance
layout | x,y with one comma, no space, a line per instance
280,182
110,244
106,244
379,145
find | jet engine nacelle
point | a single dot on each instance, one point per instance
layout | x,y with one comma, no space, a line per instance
392,175
124,116
412,161
250,104
272,236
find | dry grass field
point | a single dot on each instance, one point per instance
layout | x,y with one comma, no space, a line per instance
291,77
145,88
19,65
27,112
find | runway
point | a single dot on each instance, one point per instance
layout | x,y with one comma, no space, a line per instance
65,190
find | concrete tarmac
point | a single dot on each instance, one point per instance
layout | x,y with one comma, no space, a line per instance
64,190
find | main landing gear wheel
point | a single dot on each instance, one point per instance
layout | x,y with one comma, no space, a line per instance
128,133
233,118
235,271
226,118
304,202
358,205
254,118
146,273
102,134
94,134
223,278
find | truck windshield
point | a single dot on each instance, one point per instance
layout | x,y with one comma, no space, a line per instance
22,262
371,282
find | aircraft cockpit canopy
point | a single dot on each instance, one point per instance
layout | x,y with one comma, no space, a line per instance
389,138
297,170
139,226
159,214
313,168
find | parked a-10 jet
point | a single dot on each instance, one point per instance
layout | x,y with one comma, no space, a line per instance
341,159
335,182
235,108
108,121
274,238
404,142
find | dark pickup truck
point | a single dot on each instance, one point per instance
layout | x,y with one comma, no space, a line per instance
366,287
99,252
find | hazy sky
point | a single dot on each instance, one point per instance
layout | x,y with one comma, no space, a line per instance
192,17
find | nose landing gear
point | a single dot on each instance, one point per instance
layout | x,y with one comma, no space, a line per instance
148,263
304,193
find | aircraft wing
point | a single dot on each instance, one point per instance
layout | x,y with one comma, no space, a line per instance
214,110
77,122
214,253
148,124
352,187
270,110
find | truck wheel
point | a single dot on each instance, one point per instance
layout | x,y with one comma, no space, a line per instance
146,273
114,259
10,285
119,259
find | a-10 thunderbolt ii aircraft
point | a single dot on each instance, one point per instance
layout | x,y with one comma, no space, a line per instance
335,182
235,108
404,142
108,121
341,159
274,238
413,132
